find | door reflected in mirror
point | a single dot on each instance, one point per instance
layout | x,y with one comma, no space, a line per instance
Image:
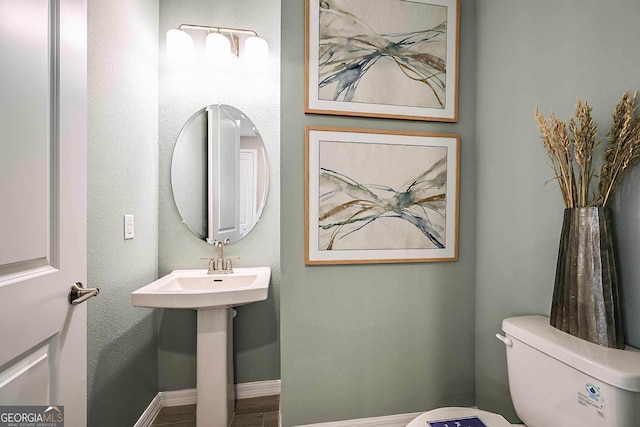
220,174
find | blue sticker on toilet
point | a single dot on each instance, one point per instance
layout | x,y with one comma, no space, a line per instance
458,422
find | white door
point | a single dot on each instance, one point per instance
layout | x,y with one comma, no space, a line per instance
43,204
248,187
224,175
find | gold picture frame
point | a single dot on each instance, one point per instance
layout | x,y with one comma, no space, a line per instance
374,196
382,58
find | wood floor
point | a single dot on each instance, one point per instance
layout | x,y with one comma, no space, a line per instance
254,412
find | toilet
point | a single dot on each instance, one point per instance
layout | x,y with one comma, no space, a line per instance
557,380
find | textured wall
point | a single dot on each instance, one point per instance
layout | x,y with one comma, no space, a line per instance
257,93
547,52
122,179
372,340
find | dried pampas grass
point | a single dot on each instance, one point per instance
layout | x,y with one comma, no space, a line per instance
572,156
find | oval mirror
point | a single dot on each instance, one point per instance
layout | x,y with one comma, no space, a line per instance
220,174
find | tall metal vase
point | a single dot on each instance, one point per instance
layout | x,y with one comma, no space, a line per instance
586,301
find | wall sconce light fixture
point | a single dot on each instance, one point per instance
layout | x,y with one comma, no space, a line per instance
221,44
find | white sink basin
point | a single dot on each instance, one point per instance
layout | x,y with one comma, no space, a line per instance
197,289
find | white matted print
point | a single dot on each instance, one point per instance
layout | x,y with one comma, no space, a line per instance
383,58
380,196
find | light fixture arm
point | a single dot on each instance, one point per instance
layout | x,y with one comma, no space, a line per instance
217,29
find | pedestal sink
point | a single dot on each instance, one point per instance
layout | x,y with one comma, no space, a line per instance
213,295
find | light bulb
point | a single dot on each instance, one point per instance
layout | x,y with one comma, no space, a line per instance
218,48
256,49
179,47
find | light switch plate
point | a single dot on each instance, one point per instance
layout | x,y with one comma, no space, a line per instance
128,227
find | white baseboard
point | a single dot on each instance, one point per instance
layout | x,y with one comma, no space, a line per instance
178,397
257,389
188,397
150,413
400,420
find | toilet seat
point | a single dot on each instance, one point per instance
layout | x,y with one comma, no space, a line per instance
448,416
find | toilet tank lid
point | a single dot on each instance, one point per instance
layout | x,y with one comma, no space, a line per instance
619,368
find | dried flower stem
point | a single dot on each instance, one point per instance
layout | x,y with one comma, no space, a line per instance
623,149
584,140
558,145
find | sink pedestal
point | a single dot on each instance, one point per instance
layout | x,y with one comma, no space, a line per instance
215,391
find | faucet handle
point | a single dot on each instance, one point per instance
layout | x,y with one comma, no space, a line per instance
212,264
228,265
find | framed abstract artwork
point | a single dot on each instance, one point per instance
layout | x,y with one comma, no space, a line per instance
380,196
383,58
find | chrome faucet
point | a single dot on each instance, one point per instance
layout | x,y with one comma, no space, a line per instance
220,260
220,265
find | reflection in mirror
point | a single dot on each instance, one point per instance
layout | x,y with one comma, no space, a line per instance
220,174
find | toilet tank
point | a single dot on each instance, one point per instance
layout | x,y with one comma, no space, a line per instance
559,380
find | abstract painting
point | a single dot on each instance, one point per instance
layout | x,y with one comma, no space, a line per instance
380,196
383,58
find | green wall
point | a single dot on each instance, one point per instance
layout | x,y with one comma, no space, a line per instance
256,92
545,52
372,340
122,179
